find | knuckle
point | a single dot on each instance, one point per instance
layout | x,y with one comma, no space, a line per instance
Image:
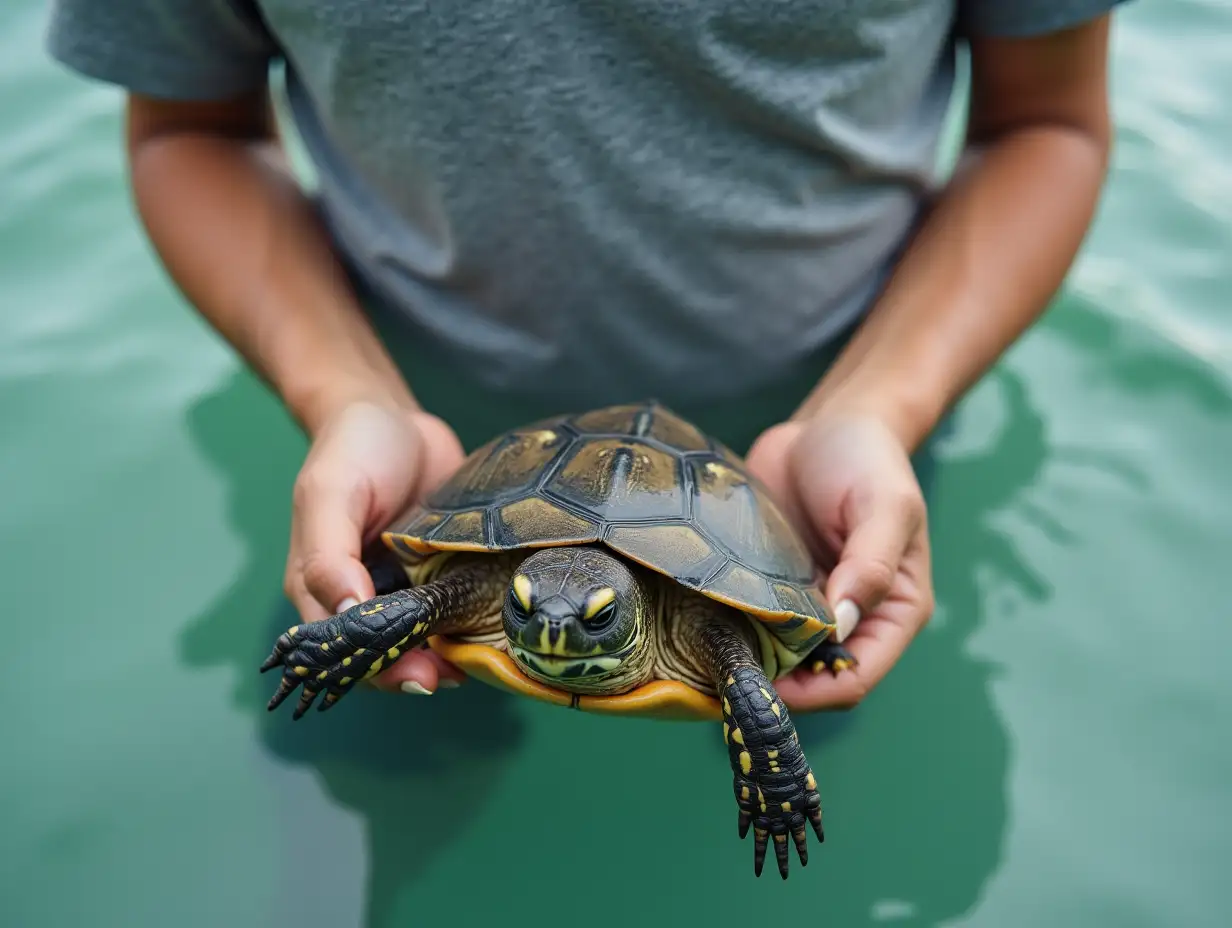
879,575
318,574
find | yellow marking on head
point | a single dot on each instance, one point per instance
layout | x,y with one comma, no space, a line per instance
393,653
344,681
765,692
301,671
323,674
419,627
737,735
746,761
324,647
292,630
598,600
726,732
346,662
374,610
811,782
522,589
774,707
744,792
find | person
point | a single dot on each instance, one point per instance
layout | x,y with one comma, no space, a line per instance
561,204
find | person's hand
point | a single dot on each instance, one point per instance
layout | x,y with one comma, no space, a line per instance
366,464
848,484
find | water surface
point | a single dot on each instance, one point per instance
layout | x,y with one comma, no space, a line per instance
1054,749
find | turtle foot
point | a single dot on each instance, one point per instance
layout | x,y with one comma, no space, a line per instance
334,654
773,817
831,656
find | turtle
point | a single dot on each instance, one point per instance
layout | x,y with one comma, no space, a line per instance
614,561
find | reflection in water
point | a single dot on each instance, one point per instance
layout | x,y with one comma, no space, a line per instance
417,770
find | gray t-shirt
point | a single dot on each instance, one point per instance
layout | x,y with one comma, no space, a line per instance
618,197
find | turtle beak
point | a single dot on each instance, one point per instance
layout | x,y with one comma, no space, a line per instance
553,629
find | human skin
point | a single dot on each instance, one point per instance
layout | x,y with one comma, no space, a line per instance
236,233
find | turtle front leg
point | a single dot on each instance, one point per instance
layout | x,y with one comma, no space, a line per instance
775,787
336,653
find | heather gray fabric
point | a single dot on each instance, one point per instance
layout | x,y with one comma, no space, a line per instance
615,198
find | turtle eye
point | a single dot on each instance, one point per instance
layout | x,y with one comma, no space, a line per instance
600,620
520,593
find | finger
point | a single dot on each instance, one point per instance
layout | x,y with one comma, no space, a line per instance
328,526
308,608
418,672
874,550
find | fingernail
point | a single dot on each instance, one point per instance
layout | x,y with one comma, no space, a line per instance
415,688
447,684
346,604
846,615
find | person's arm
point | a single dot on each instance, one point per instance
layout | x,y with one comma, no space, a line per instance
982,267
1000,239
242,241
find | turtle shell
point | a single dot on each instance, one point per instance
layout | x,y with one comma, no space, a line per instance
650,486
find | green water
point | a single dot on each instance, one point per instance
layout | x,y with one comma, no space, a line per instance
1055,749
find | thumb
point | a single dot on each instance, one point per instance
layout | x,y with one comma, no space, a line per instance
870,558
327,541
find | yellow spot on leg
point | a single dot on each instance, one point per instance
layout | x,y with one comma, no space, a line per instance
301,671
774,707
731,681
325,647
746,761
787,807
726,732
726,706
744,792
737,735
293,630
323,674
811,782
374,610
344,681
765,692
393,653
772,754
346,662
419,627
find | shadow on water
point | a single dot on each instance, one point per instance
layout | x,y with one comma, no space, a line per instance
923,820
377,754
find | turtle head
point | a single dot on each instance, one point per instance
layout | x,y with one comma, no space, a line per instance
576,614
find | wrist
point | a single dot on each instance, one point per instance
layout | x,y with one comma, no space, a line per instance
910,415
314,407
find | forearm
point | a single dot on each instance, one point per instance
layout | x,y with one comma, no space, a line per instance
980,270
244,245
